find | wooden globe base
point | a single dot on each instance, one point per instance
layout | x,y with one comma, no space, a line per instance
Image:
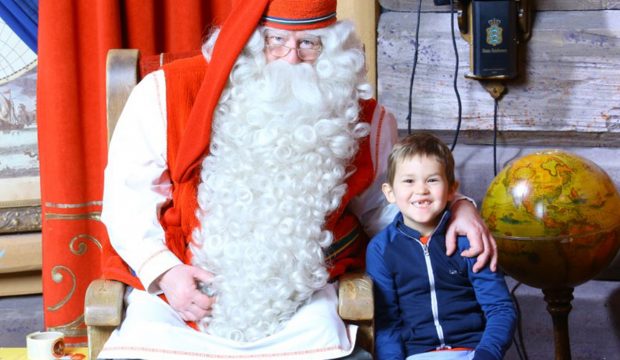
559,306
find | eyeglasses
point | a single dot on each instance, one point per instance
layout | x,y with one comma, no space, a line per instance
308,49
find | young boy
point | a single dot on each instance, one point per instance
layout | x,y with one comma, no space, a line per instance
429,305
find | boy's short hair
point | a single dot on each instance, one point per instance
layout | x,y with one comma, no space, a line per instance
425,144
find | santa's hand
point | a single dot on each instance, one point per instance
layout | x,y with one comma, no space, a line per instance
179,284
466,221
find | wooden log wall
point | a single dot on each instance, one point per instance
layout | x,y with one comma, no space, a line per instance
568,93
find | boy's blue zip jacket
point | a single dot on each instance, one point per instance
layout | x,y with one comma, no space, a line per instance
426,300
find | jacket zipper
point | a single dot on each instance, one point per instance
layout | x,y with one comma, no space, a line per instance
434,302
433,291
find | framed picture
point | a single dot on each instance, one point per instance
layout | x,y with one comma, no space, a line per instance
20,209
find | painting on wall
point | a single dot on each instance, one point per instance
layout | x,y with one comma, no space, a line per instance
20,209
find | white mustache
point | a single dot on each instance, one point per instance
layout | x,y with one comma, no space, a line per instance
296,81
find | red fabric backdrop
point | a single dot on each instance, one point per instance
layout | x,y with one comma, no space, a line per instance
74,37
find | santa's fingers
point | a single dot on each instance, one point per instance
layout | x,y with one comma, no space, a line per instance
186,315
203,301
194,313
199,312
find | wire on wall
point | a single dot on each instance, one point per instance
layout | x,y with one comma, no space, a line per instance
519,345
415,64
456,73
495,137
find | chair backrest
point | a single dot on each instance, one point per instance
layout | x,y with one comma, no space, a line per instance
121,77
124,69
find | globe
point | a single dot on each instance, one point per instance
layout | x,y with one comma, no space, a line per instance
555,217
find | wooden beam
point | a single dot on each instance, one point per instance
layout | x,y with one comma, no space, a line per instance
562,139
364,14
20,264
541,5
22,283
20,252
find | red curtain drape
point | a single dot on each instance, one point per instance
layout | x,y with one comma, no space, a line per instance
74,36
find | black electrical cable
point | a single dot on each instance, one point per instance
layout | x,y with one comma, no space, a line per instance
415,64
519,347
495,137
456,74
514,300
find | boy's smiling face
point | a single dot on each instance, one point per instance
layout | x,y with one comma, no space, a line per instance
421,191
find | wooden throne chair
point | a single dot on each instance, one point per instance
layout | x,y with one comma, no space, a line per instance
103,310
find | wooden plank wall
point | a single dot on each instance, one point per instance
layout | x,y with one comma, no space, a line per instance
569,94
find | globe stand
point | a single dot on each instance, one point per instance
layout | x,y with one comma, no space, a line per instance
559,306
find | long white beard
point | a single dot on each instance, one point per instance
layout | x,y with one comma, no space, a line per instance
278,160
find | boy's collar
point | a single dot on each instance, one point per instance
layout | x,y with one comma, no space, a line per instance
439,229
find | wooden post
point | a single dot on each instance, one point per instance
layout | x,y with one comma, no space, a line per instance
365,15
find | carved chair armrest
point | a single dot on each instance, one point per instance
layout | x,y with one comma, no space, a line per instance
355,300
103,311
356,305
104,303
